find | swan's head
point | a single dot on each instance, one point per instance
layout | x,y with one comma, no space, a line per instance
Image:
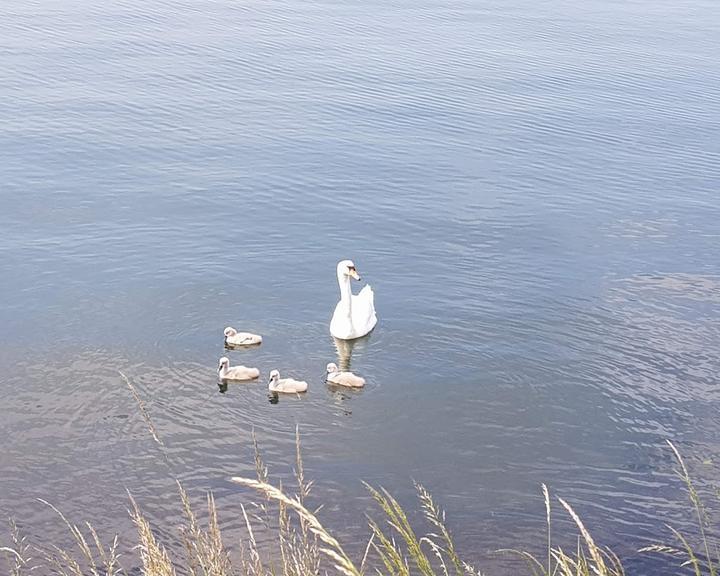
331,368
347,268
229,331
224,363
274,376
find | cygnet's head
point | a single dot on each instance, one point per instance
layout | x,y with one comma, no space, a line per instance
347,268
229,331
332,368
224,361
274,376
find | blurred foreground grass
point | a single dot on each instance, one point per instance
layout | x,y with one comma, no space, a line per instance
304,547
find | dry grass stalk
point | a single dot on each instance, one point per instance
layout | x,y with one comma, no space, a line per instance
206,554
18,557
252,566
700,562
387,549
558,563
368,547
154,557
95,558
261,469
397,519
546,498
144,412
700,512
331,549
306,555
436,517
595,552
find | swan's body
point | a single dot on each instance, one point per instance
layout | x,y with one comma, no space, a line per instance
348,379
355,314
235,338
285,385
227,372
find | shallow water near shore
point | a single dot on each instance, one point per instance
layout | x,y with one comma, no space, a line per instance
531,188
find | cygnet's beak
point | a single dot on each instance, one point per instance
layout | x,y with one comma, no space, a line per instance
354,274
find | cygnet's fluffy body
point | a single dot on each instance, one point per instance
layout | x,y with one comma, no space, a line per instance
347,379
227,372
285,385
235,338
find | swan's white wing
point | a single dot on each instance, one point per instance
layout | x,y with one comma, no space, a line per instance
244,339
349,379
363,311
241,373
290,386
340,324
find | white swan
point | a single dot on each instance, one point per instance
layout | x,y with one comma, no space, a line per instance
235,338
286,385
355,314
348,379
227,372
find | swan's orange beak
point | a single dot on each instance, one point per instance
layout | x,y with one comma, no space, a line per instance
353,273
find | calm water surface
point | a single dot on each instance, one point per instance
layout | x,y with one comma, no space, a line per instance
530,187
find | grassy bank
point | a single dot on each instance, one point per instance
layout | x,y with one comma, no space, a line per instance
302,546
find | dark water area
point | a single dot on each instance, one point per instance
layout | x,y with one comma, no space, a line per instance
531,188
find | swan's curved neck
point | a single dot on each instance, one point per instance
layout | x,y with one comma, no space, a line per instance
345,295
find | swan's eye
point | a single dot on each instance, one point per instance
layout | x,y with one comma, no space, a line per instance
351,268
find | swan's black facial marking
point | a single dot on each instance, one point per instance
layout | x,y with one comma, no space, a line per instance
352,268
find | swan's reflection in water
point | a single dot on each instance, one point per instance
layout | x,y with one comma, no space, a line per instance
345,349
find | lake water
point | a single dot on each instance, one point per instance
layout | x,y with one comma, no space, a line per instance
530,187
